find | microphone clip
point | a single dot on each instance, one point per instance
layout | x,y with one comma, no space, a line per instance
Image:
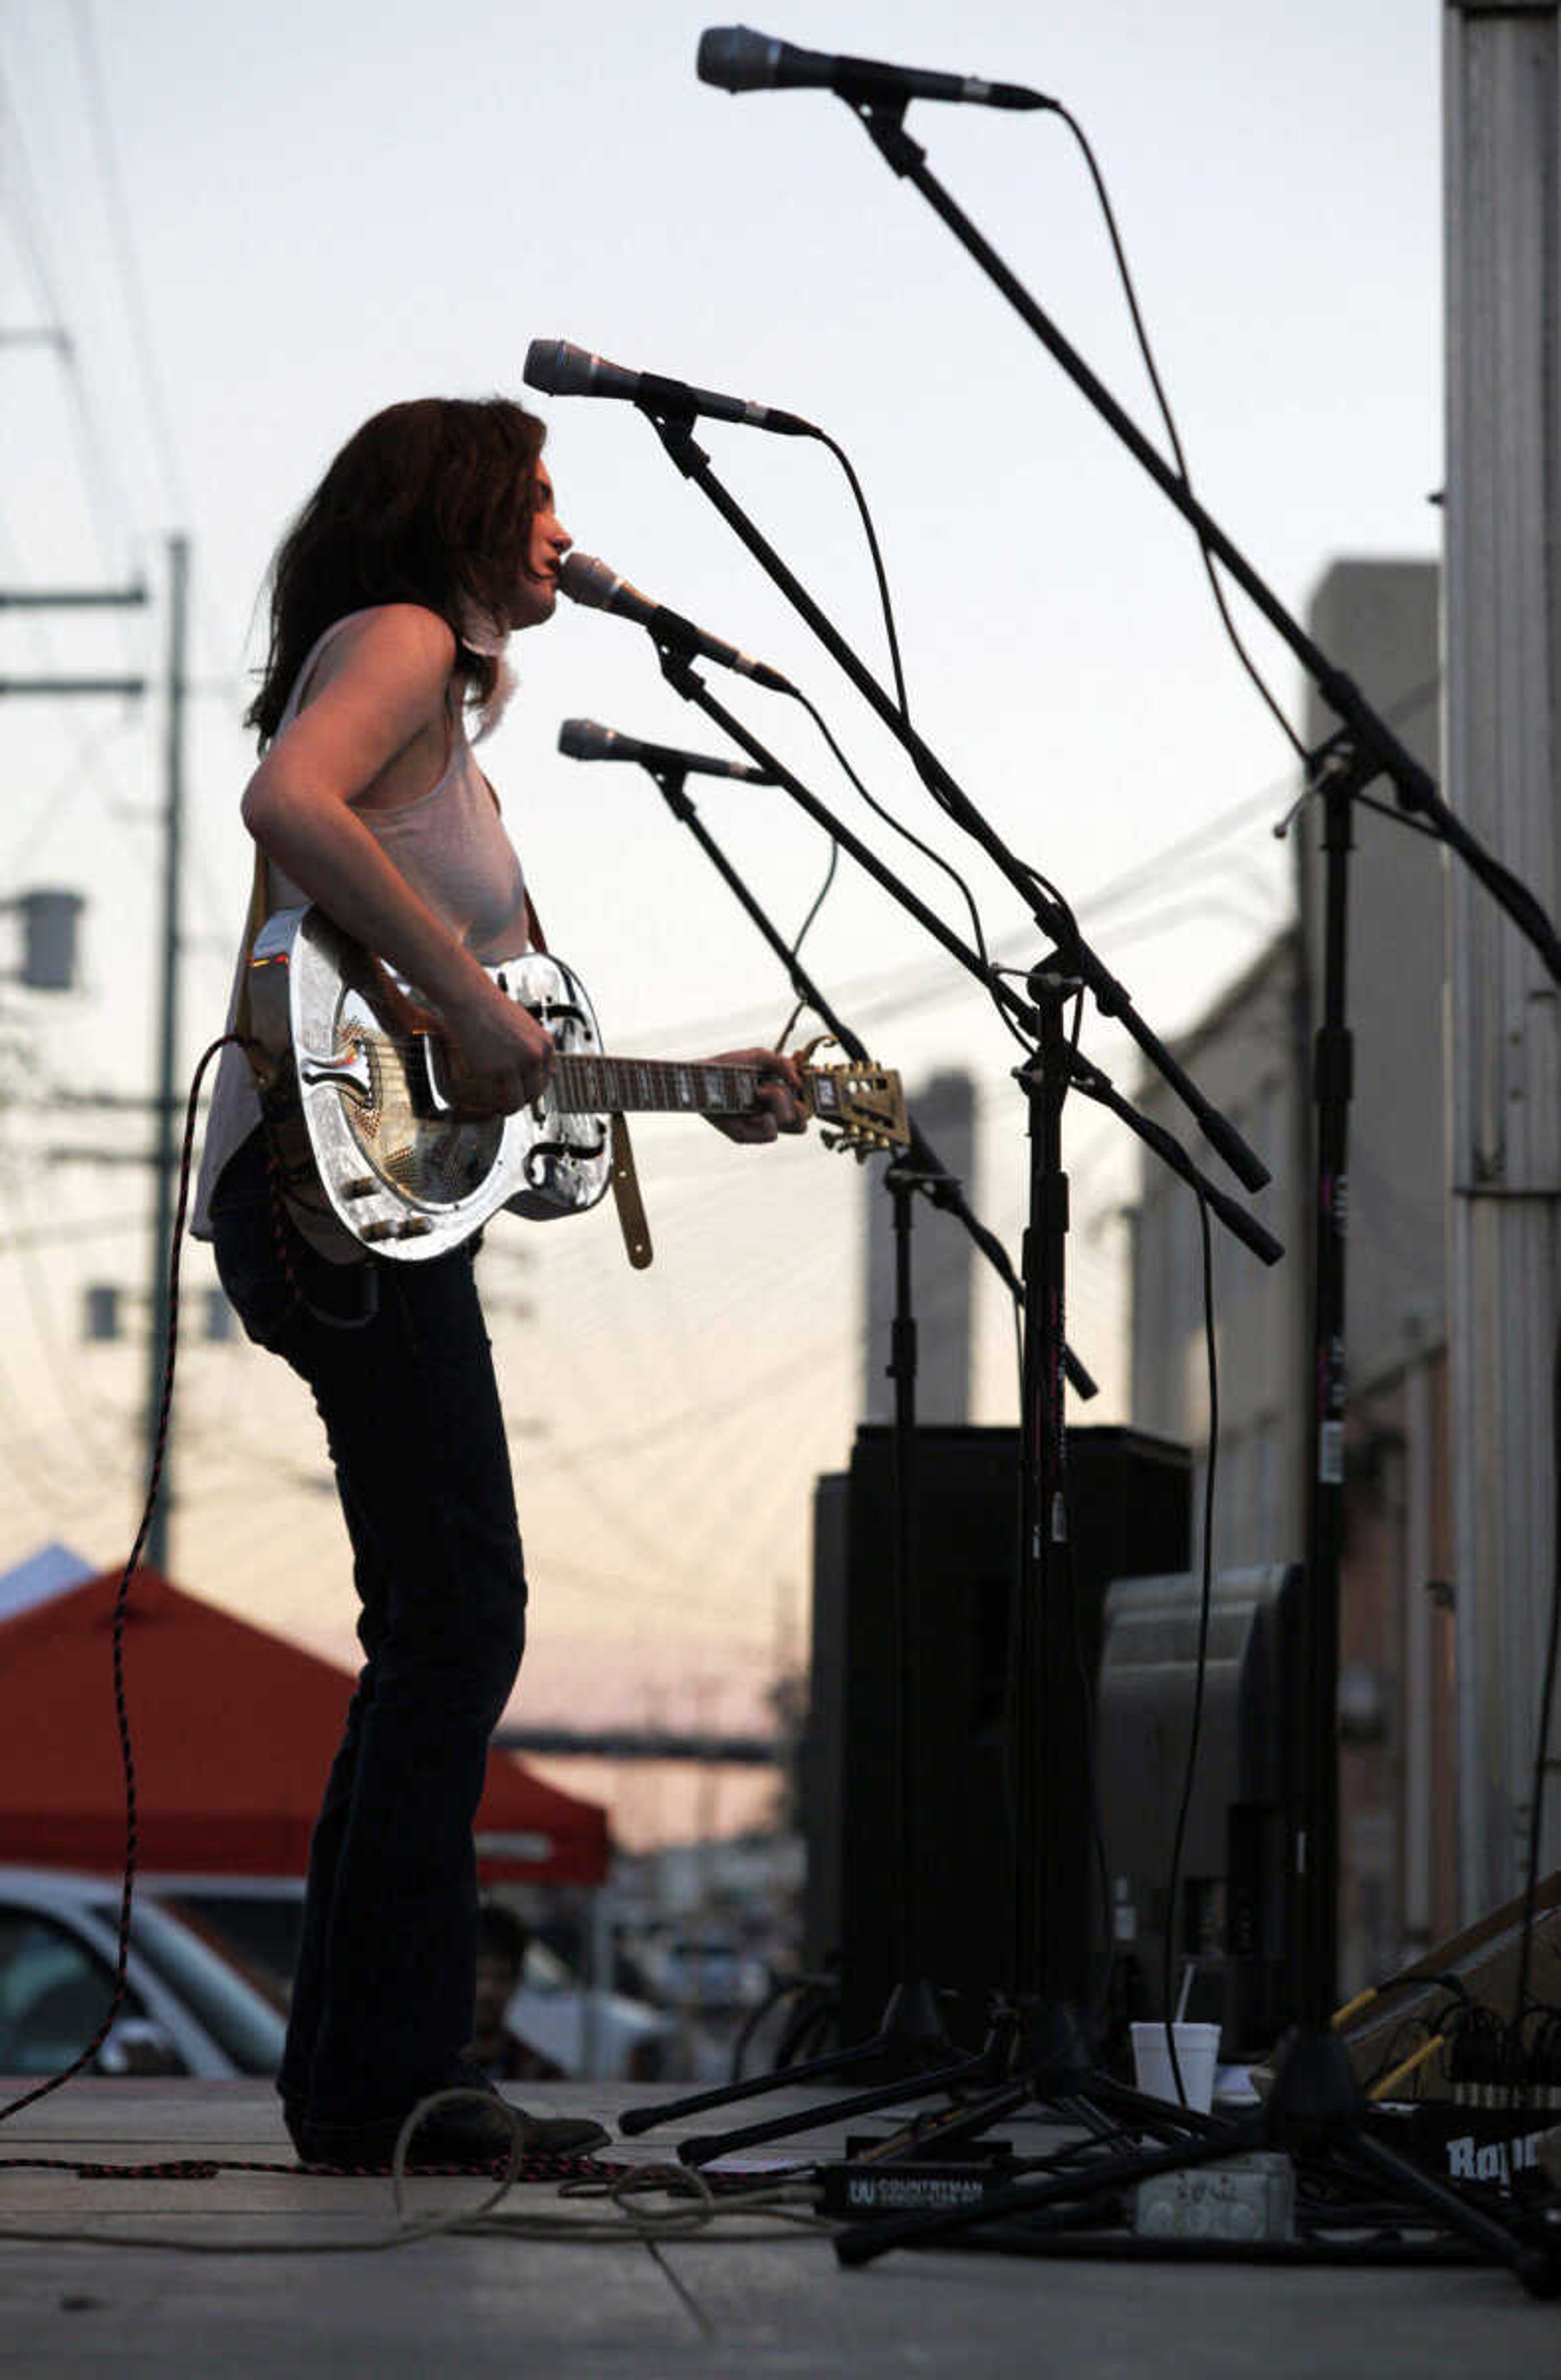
884,122
666,400
678,668
673,781
674,426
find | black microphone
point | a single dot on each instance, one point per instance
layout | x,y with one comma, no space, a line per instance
582,739
585,580
566,371
736,58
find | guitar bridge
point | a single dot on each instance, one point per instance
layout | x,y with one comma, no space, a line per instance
543,1153
352,1074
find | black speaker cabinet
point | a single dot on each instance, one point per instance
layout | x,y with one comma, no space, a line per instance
1129,1503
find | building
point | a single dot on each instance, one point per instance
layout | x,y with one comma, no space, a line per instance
941,1262
1252,1055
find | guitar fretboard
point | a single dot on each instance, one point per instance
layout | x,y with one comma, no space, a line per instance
598,1085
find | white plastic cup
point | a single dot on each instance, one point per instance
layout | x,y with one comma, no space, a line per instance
1197,2048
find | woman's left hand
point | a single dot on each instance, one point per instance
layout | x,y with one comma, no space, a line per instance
780,1093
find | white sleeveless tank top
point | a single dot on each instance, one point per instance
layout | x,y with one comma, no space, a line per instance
451,848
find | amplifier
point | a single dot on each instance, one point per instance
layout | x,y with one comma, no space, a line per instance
1130,1499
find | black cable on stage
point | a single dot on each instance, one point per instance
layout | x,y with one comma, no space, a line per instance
1521,2009
1542,1746
1204,1606
1090,1704
121,1598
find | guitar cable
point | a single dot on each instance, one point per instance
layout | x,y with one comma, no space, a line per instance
203,2168
121,1599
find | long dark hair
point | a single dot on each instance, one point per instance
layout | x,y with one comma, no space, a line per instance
430,502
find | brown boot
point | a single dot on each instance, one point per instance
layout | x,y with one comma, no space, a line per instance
472,2131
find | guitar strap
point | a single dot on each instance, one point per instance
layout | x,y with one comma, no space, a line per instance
625,1179
626,1193
285,1131
252,924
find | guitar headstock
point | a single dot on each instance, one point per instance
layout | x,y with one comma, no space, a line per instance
859,1107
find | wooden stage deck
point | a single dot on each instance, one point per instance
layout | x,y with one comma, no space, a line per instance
766,2302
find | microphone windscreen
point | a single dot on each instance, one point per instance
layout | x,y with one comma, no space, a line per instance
555,366
735,58
585,580
582,739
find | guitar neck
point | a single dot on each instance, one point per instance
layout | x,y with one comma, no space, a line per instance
600,1085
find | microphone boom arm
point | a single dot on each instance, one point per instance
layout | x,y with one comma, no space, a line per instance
940,1186
1110,997
685,680
1415,789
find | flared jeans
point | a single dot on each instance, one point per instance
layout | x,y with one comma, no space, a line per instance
401,1370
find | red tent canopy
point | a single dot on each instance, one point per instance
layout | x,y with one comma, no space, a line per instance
232,1731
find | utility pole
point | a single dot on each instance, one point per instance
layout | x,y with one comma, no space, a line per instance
72,599
1503,636
165,1105
167,1039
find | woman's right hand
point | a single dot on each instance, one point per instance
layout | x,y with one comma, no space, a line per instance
501,1059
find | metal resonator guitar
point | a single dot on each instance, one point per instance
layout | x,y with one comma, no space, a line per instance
357,1086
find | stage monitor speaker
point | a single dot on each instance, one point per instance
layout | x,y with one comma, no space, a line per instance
1130,1498
1235,1913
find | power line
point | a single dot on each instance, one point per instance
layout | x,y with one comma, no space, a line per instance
895,990
132,290
87,760
131,287
104,493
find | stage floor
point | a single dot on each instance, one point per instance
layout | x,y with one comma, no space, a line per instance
742,2308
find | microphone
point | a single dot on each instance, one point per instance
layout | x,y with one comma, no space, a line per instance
566,371
585,580
582,739
736,58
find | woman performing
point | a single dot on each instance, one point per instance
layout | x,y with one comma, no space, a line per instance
433,537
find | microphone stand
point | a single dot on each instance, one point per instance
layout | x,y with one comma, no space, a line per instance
1054,918
1051,1957
1316,2105
940,1186
911,2038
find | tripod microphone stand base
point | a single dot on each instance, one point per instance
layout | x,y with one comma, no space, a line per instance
1315,2112
980,2067
910,2044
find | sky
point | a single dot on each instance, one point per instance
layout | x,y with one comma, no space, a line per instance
256,227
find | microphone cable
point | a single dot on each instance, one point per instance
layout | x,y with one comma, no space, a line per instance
121,1599
1522,2007
889,630
795,952
1147,352
902,704
924,848
1167,1973
1195,1731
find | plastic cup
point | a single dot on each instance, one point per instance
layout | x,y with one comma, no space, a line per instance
1197,2048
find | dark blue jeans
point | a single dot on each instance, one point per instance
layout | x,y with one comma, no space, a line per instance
402,1374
